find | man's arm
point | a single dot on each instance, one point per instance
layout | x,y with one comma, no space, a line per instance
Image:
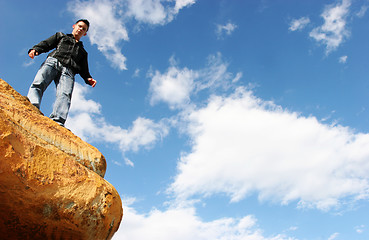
45,46
85,73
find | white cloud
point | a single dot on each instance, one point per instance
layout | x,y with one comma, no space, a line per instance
147,11
86,121
28,63
184,224
334,31
238,77
360,229
173,87
136,73
299,24
243,145
333,236
107,28
293,228
108,20
343,59
176,85
362,11
155,11
215,74
181,4
225,29
82,105
143,132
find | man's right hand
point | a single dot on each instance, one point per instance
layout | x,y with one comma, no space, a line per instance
92,82
32,53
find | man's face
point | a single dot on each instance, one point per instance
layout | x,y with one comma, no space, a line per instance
79,30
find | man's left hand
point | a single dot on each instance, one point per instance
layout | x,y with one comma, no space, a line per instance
92,82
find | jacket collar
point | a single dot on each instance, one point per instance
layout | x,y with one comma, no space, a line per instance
71,35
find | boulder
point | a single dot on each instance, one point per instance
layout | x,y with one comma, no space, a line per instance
51,181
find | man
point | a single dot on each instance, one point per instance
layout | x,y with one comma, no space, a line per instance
68,58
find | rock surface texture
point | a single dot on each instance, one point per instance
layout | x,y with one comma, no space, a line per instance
51,182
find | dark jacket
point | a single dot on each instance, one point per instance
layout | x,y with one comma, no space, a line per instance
70,53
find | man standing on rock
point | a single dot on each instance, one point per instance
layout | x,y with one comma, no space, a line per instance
68,58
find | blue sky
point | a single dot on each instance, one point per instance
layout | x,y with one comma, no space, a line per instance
222,120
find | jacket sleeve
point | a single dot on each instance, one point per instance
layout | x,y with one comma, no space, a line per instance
48,44
85,73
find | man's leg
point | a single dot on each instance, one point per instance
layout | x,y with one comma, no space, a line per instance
64,89
45,75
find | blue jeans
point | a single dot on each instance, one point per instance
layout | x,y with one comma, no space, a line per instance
53,70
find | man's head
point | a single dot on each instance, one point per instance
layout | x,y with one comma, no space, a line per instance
80,28
85,21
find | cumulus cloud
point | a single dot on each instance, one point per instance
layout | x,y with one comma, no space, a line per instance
179,4
183,224
147,11
108,20
243,145
173,87
299,24
225,29
86,121
176,85
334,30
155,11
107,28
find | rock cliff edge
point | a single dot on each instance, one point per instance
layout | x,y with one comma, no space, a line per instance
51,182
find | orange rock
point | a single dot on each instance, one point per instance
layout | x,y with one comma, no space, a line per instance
51,182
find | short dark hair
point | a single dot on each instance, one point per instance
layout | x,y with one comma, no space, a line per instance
85,21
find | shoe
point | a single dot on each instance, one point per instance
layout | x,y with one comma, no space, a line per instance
62,125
